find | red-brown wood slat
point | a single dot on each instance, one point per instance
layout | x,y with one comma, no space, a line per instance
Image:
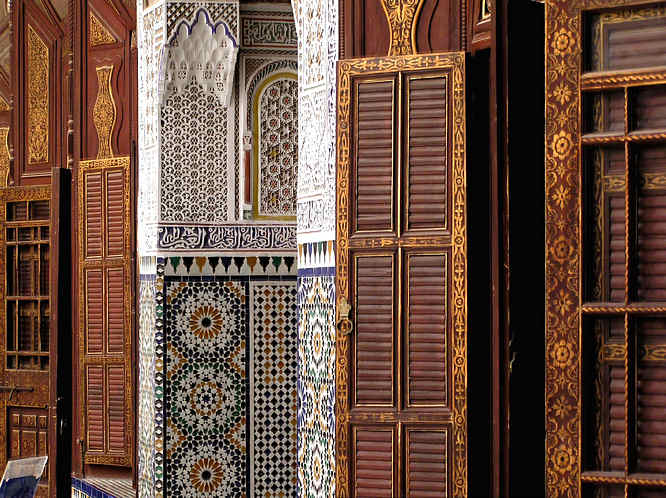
115,310
427,153
93,214
95,429
94,313
652,224
427,463
636,44
616,248
374,155
374,465
116,408
107,312
650,108
374,336
115,214
426,329
616,418
651,396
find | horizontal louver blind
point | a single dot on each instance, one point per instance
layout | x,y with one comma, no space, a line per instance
651,394
374,337
427,153
426,460
374,463
374,156
105,310
652,224
427,329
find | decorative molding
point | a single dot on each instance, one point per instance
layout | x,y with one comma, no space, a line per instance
316,255
104,112
231,264
268,33
4,155
402,16
226,237
38,98
203,52
99,34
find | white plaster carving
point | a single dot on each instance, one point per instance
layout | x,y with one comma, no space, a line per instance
204,53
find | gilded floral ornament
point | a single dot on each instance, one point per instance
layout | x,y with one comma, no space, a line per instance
38,98
4,106
562,145
99,34
402,16
4,155
104,112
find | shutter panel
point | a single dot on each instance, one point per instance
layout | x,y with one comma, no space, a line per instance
401,369
375,152
105,341
426,329
427,156
426,460
374,337
375,452
652,224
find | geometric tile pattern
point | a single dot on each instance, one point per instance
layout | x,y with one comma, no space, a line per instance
146,425
316,390
206,389
232,265
274,394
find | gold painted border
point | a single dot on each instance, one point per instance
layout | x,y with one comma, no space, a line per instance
563,255
346,70
255,144
103,262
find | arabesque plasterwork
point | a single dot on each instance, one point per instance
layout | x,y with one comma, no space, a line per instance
38,98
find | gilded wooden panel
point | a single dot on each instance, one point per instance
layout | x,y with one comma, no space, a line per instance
38,98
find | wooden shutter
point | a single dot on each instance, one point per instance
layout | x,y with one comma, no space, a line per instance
402,268
605,248
105,338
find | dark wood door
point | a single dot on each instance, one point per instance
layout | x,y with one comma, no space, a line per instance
401,404
27,361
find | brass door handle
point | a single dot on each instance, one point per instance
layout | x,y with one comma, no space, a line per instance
345,326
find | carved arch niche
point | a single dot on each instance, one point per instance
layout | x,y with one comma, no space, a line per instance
272,150
37,86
